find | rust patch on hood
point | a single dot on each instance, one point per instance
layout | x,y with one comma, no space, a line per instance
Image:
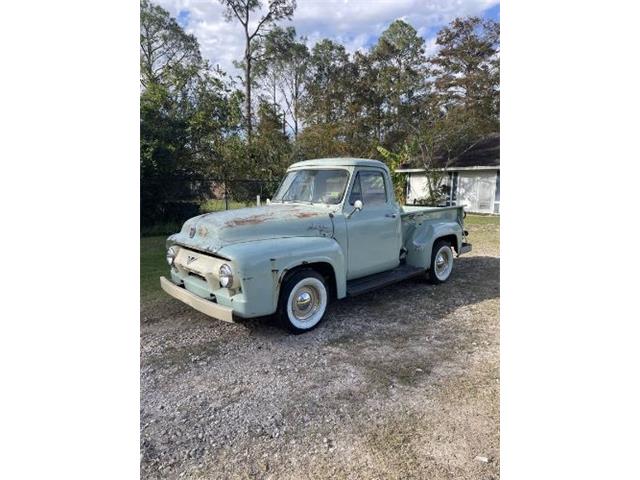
252,220
306,214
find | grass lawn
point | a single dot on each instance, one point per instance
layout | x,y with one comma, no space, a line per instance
473,219
218,205
153,264
483,234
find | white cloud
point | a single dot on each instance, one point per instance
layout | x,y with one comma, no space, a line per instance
355,23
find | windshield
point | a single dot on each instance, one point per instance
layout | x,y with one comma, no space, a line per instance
313,186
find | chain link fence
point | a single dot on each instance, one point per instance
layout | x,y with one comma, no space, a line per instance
166,203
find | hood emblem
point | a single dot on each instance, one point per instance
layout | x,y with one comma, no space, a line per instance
192,231
191,259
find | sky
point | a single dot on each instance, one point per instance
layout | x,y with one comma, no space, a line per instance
356,24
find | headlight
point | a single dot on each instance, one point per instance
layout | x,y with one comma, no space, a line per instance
171,255
225,275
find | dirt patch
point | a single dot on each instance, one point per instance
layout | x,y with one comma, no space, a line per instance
400,383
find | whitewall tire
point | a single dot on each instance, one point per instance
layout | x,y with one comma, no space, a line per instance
441,262
303,300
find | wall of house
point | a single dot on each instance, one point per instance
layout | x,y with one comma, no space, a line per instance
479,190
417,186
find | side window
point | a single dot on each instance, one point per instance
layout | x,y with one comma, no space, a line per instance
372,187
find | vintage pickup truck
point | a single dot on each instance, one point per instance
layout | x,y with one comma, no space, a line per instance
333,229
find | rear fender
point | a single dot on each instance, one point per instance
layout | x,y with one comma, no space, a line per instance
420,243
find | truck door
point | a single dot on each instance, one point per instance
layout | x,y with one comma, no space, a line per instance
374,233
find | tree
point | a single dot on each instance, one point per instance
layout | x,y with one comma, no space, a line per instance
401,65
365,110
395,161
164,46
271,144
241,10
328,82
284,66
325,105
466,69
320,141
187,114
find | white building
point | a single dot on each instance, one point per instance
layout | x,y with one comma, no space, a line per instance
473,179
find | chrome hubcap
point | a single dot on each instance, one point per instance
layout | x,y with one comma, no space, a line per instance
442,263
305,302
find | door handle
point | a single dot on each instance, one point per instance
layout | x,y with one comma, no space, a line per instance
391,215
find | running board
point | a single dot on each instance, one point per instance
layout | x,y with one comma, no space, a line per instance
383,279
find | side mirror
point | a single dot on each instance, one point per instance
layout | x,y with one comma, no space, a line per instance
357,206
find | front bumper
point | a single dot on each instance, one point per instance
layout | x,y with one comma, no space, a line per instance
205,306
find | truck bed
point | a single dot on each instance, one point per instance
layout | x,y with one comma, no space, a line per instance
413,212
422,225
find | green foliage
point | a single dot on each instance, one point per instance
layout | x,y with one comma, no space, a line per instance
394,161
322,140
390,102
329,76
399,60
166,51
466,69
282,69
187,114
271,144
241,11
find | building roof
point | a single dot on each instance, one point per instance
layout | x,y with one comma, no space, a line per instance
339,162
483,155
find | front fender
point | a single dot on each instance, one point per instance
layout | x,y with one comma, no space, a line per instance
261,266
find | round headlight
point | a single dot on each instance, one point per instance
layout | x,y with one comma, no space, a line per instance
225,275
171,255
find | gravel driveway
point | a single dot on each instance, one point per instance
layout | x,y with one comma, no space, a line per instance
400,383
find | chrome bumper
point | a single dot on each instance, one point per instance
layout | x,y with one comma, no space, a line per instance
205,306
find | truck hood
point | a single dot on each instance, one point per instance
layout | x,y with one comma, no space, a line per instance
212,231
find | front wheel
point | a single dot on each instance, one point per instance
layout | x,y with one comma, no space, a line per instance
441,262
303,301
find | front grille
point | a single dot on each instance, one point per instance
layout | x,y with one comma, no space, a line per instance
193,274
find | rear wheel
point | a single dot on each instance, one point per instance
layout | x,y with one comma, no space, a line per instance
441,262
303,301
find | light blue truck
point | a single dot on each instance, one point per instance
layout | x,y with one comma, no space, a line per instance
333,229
